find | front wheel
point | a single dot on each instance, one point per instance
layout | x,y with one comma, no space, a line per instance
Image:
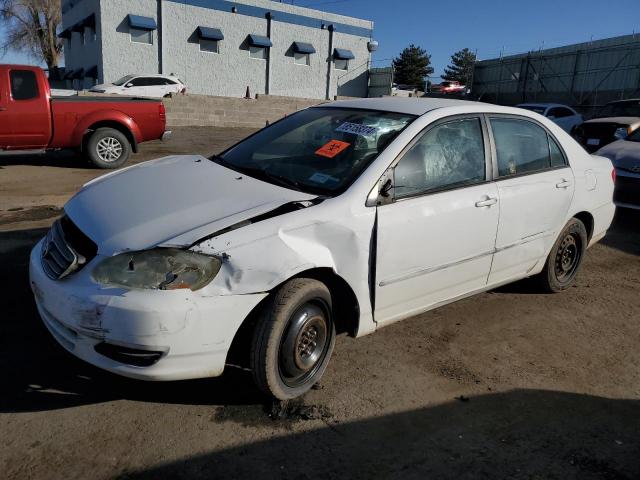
294,339
565,258
108,148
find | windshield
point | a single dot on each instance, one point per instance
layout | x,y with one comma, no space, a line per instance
318,150
622,109
123,80
534,108
634,137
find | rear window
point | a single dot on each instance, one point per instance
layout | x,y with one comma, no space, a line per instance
24,84
534,108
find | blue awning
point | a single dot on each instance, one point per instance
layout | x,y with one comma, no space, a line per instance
208,33
143,23
259,41
65,33
343,54
301,47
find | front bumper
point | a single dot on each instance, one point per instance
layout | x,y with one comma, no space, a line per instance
192,331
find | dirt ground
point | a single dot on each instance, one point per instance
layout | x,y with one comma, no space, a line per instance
508,384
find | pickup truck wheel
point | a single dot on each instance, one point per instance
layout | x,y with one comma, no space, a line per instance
293,340
565,258
108,148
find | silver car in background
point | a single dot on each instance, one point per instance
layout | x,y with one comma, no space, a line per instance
625,156
565,117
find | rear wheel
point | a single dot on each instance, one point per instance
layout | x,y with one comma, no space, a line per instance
565,258
108,148
294,339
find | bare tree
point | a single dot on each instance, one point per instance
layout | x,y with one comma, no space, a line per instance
30,27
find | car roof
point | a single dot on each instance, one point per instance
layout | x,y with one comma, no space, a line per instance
546,105
160,75
411,106
628,100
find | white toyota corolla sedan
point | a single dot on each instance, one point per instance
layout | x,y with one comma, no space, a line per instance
344,217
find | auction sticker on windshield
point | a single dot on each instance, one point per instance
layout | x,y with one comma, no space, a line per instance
356,129
332,148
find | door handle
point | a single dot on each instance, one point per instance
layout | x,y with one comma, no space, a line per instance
3,109
487,202
563,184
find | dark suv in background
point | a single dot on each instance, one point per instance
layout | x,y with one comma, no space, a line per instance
614,121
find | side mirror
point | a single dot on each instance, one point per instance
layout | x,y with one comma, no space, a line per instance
129,85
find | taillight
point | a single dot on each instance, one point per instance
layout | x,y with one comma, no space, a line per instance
613,175
162,111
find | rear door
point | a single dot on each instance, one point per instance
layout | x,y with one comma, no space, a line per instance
28,110
535,188
436,235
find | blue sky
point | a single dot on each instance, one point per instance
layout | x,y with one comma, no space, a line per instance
444,26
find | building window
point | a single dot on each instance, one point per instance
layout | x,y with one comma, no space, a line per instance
302,59
257,52
212,46
139,35
342,64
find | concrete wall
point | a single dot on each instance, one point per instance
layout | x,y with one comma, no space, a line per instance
176,48
227,73
121,56
199,110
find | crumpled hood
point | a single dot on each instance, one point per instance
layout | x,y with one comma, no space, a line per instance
623,154
173,201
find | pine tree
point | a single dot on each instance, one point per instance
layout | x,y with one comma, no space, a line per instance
461,67
412,66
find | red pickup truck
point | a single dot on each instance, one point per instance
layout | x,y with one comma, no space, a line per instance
104,129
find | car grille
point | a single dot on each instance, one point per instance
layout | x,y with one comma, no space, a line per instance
66,249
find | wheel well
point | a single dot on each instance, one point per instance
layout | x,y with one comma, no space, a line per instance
346,312
111,124
587,219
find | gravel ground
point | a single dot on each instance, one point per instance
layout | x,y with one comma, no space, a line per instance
507,384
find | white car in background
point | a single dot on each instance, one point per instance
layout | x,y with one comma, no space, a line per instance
154,86
173,268
563,115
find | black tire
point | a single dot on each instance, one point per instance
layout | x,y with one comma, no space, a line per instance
565,258
108,148
293,339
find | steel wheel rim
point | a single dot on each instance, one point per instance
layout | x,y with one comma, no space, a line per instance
304,344
567,257
109,149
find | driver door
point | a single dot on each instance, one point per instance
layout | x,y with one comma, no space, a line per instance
437,228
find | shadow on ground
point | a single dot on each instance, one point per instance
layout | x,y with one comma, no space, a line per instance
58,158
522,434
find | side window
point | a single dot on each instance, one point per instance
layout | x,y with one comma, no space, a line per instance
564,112
448,155
139,82
557,157
24,84
521,146
139,35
